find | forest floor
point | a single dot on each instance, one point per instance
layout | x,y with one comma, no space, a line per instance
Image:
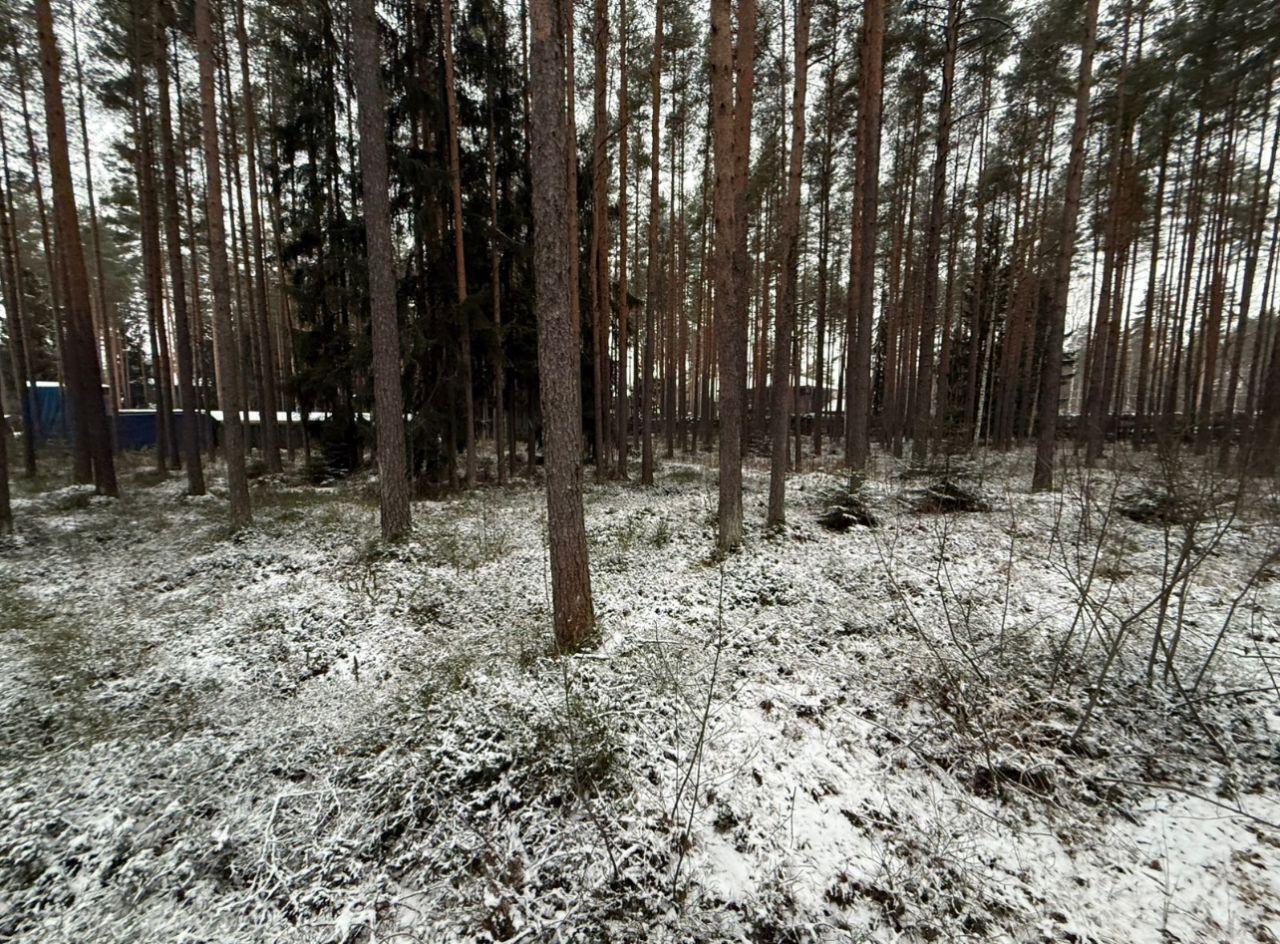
296,733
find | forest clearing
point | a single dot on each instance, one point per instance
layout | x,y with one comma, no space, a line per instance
601,471
295,732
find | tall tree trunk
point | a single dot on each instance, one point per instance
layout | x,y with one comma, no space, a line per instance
15,310
558,339
387,396
922,423
219,278
568,11
177,277
1056,314
624,306
782,349
459,248
1115,248
152,275
1212,319
600,238
82,460
202,368
732,86
866,194
1260,205
825,173
86,384
495,264
1258,370
266,348
652,265
241,272
103,318
1153,266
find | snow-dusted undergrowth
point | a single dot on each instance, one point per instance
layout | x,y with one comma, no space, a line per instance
296,734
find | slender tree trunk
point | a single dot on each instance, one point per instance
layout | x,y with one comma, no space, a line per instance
387,396
233,429
266,348
782,349
730,325
495,266
732,86
459,248
1144,346
1212,322
1056,315
624,306
673,293
1261,204
243,320
15,310
177,278
558,342
825,174
568,10
152,274
923,420
103,318
652,266
600,239
86,384
1115,248
866,193
1268,397
82,460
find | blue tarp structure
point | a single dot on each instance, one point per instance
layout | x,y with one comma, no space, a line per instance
135,429
51,415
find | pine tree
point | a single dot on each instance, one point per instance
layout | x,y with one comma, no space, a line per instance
233,447
558,332
84,377
863,251
393,483
782,364
177,273
1055,317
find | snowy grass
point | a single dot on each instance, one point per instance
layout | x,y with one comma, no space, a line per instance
297,733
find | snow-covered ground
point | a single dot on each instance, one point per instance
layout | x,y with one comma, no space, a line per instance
294,733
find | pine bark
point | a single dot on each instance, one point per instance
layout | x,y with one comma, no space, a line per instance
783,360
15,309
261,312
600,238
177,279
150,240
82,460
863,250
732,84
922,427
103,333
623,434
393,481
219,278
459,248
558,334
652,266
1051,367
86,378
495,271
